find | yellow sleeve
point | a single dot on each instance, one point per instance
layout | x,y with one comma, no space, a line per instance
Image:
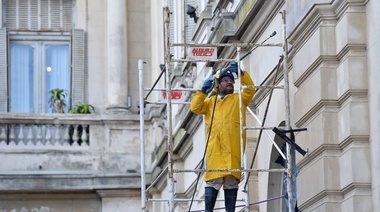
198,104
247,93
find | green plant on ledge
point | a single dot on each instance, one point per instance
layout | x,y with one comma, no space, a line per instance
57,100
81,108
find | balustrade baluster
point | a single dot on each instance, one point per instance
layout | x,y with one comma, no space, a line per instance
3,136
75,136
21,136
84,136
30,136
57,137
39,136
12,136
66,137
48,136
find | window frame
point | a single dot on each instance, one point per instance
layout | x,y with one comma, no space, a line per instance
40,41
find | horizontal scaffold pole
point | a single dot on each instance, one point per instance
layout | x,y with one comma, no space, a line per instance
224,44
187,200
174,103
228,170
202,60
173,89
262,86
257,128
194,89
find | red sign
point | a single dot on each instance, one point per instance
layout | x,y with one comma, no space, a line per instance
203,52
174,94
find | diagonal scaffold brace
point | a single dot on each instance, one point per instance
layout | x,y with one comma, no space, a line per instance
282,134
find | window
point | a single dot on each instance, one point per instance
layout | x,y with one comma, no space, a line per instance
36,67
44,52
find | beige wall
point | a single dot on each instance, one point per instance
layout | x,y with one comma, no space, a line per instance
332,64
373,48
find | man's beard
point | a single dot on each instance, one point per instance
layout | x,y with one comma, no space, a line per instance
227,90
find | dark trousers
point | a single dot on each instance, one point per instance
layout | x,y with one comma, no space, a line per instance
211,194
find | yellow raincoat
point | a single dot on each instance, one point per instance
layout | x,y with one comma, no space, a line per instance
223,151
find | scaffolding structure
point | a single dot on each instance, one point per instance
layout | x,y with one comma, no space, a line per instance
170,170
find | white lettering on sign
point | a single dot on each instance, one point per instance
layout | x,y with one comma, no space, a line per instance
203,53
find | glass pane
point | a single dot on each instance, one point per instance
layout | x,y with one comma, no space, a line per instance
21,79
57,72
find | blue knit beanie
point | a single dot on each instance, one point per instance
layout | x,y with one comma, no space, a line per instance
227,74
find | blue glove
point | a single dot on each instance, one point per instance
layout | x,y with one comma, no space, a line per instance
206,87
234,68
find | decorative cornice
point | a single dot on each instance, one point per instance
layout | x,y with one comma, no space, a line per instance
354,140
325,13
334,195
352,49
325,60
317,153
333,149
331,194
352,187
335,105
67,182
353,95
321,106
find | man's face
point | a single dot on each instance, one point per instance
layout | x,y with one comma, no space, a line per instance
226,86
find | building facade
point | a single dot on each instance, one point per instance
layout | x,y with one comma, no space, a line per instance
90,49
333,94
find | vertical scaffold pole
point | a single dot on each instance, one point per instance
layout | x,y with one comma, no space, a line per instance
169,110
289,181
243,156
142,139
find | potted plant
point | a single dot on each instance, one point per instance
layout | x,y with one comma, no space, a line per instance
57,100
81,108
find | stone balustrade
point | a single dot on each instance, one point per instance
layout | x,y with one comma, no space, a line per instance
45,130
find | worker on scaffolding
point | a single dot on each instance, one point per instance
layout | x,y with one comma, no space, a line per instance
222,117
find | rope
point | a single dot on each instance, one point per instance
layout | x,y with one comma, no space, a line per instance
154,85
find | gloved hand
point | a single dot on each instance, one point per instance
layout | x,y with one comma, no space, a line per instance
234,68
206,87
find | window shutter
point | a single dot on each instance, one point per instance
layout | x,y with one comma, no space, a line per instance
3,70
78,67
49,15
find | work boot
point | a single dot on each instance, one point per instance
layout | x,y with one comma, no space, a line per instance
230,196
210,198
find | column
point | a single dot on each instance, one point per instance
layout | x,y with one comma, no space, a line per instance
117,58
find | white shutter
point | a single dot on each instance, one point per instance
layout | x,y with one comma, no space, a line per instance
67,14
11,15
52,15
45,15
3,70
78,67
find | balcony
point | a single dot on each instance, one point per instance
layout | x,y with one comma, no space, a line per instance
46,131
76,152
